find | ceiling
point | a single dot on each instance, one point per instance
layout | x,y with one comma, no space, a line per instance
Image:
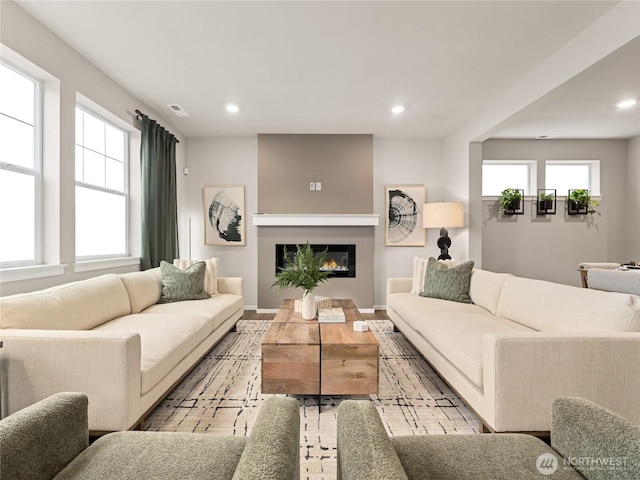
338,67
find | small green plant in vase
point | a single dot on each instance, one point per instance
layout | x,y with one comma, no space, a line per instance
580,201
510,199
304,271
546,201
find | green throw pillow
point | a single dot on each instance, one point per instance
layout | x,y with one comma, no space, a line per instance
447,283
178,285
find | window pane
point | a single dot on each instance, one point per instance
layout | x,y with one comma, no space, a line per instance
93,168
79,163
93,133
115,143
16,142
79,126
17,242
115,175
100,223
17,95
565,177
495,178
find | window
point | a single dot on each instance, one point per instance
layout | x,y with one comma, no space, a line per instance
101,187
564,175
500,174
20,166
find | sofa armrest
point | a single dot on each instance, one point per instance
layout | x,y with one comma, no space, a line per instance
106,366
399,285
365,451
40,440
233,285
599,443
524,372
273,447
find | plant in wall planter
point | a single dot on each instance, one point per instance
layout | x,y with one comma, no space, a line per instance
546,201
511,201
580,202
304,271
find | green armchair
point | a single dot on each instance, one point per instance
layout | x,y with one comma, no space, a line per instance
50,439
587,442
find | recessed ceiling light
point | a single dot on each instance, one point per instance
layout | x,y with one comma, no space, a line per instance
550,136
397,109
629,102
232,108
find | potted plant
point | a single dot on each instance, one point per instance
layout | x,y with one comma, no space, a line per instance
304,271
545,201
510,199
580,201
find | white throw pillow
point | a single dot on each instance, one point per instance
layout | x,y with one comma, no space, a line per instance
211,275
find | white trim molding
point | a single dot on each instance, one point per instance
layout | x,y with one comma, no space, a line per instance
105,263
30,272
315,220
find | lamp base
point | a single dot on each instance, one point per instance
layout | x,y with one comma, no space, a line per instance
444,242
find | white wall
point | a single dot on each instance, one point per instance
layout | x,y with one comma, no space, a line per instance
550,247
223,161
632,248
69,74
404,162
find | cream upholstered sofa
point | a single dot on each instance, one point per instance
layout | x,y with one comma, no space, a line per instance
106,337
523,343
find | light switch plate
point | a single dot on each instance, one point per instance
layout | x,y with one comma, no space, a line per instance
312,186
318,185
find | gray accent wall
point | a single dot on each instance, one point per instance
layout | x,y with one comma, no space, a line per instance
342,163
550,247
633,201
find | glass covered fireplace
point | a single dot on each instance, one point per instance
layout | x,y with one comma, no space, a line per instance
340,260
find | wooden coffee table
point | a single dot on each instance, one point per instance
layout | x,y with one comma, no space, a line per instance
304,357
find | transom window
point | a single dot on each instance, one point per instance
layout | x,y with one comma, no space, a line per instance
20,167
500,174
101,187
564,175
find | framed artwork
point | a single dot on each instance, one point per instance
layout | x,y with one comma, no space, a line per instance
403,213
223,215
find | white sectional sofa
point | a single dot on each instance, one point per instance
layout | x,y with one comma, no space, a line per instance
523,343
107,337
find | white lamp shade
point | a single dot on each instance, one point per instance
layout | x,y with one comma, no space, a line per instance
443,214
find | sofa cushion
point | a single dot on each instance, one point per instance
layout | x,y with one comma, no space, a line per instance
459,337
218,308
447,283
155,455
179,285
144,288
79,305
410,307
210,276
485,288
552,307
165,339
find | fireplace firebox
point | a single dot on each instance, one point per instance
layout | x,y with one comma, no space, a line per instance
340,259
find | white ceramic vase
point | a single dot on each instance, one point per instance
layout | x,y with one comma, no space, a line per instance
308,305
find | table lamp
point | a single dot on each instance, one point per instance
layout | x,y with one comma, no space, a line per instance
443,215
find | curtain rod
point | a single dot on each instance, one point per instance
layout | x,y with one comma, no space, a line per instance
139,114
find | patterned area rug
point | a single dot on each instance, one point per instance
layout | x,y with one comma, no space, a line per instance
222,395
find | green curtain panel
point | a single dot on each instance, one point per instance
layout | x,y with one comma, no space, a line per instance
159,199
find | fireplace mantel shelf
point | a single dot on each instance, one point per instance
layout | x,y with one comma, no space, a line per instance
315,220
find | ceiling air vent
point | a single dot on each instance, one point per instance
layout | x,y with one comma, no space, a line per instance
177,109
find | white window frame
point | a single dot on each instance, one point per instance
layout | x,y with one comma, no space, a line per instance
89,260
36,171
594,174
530,189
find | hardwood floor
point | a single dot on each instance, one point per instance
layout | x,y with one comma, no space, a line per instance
252,315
